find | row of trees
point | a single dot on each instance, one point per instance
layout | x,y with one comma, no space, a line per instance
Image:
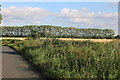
55,31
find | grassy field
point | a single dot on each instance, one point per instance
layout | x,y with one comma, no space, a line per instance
71,59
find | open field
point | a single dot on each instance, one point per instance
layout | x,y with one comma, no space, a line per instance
66,39
94,40
15,38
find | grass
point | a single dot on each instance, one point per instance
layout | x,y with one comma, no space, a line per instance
72,59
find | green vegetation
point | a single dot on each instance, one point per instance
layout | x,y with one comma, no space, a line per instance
71,59
55,32
118,37
0,14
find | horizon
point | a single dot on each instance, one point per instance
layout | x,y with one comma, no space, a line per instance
102,15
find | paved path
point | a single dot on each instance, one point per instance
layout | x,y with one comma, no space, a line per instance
14,66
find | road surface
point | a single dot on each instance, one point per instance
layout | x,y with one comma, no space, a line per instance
14,66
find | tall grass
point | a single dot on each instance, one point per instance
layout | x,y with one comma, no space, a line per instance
73,59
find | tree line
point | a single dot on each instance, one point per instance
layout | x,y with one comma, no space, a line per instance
55,32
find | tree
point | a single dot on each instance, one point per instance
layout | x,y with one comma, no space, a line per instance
55,31
0,15
118,37
34,34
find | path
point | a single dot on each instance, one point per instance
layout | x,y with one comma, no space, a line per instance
14,66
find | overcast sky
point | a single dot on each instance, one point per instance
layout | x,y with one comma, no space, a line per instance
102,15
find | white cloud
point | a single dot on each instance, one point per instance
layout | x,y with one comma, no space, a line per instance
115,3
82,17
24,15
84,9
87,18
29,15
81,21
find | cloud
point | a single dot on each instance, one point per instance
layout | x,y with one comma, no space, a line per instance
30,15
112,5
68,17
24,15
78,20
115,3
72,12
85,17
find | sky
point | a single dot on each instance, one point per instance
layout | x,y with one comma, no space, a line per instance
60,0
103,15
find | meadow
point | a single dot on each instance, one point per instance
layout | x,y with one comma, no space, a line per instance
71,59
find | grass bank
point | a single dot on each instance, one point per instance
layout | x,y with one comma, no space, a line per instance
71,59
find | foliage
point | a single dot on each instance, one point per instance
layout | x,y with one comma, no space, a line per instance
55,32
0,15
73,59
0,18
118,37
16,44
